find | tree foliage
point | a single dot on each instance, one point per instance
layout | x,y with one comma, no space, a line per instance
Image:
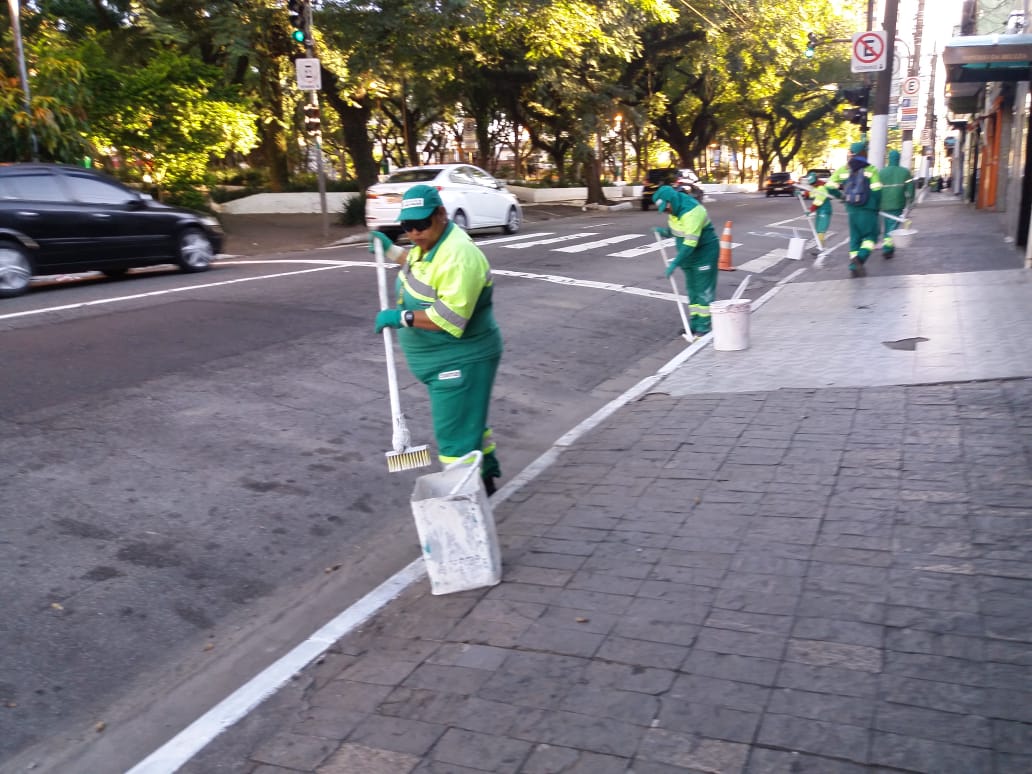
180,86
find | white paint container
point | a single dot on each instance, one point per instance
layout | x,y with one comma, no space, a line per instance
902,237
796,247
730,324
456,528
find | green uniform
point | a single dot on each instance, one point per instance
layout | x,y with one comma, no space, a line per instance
698,249
897,194
452,284
864,228
821,205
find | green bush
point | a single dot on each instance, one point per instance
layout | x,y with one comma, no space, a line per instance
353,213
186,196
309,181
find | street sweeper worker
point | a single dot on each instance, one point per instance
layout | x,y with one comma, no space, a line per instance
897,195
858,185
448,332
698,249
820,206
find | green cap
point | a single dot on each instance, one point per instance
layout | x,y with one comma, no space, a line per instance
420,201
858,147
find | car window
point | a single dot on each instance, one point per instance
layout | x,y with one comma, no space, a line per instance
480,177
461,176
415,175
92,190
36,185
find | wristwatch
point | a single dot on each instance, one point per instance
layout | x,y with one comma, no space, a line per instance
408,319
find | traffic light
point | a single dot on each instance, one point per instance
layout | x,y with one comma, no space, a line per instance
811,45
296,11
857,115
312,121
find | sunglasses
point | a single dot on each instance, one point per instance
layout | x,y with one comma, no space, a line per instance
417,225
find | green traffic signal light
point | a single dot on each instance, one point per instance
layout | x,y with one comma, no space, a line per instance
298,36
809,52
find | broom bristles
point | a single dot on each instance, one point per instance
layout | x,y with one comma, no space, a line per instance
409,459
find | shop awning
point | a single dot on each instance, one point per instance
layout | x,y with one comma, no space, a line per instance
982,58
964,98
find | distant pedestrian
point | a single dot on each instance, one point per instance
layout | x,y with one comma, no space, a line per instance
858,185
820,205
698,249
447,327
897,195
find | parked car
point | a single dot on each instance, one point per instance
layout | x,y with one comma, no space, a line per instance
681,179
56,219
779,183
822,178
472,197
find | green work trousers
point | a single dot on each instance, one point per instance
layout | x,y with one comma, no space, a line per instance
890,226
863,232
700,282
460,396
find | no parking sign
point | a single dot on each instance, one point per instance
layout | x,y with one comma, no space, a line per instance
869,51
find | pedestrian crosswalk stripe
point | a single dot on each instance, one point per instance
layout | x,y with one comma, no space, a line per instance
552,241
516,238
651,247
765,261
599,243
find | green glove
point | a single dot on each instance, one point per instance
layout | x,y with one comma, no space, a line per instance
662,231
390,250
671,267
388,318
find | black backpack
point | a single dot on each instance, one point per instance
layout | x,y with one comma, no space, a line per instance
857,189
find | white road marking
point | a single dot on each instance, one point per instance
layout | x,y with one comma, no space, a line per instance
552,241
765,261
183,746
325,266
598,243
516,238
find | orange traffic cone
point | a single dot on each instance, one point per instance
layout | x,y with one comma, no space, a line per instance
725,249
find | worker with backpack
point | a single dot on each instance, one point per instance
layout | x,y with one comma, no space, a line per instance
857,184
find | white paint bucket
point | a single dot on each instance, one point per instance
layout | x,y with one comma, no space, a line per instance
456,528
796,246
902,237
730,324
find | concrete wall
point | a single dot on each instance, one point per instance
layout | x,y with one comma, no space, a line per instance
308,202
286,203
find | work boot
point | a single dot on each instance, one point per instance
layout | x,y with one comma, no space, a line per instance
854,269
489,485
887,254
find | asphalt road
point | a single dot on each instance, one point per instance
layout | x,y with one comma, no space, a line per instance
193,476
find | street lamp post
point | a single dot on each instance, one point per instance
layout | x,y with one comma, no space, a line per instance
20,52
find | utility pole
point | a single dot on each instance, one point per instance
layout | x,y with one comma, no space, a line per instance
20,53
883,87
907,154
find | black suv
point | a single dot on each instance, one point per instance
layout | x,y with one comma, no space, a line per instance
779,183
681,179
58,219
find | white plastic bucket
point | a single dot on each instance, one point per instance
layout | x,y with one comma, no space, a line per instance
730,324
796,246
902,237
456,528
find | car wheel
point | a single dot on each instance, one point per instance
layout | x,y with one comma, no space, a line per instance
195,251
512,223
460,220
768,194
15,269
